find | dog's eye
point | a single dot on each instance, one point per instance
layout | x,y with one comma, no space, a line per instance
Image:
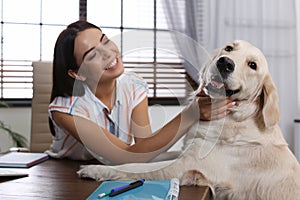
252,65
228,48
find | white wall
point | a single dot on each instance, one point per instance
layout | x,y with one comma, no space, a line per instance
297,125
19,120
298,52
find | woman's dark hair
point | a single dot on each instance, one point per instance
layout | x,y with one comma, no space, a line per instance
64,60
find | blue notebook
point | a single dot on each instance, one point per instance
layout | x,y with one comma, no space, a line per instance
150,190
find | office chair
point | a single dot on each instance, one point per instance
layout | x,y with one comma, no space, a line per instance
41,138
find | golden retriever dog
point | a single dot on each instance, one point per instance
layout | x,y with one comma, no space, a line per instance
244,155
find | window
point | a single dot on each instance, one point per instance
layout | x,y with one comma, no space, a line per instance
139,28
29,37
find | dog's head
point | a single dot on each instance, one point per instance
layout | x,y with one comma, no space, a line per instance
239,71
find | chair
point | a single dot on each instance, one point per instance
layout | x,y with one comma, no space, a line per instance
41,139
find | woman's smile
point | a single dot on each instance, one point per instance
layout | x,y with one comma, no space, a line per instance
113,65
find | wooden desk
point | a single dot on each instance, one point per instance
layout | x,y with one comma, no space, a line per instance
57,179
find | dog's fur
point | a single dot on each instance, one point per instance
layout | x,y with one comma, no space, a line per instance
243,156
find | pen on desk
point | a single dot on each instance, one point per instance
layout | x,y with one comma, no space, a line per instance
123,188
103,194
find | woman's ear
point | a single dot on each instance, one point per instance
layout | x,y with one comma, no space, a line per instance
270,109
74,75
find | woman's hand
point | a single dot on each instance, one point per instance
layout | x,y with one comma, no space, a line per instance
213,109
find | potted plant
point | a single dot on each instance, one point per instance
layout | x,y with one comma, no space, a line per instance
18,139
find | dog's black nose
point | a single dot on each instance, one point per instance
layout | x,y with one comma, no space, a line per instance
225,66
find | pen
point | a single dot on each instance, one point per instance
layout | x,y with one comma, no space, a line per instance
122,189
103,194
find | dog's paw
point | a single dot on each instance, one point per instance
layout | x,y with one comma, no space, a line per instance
100,172
193,177
90,171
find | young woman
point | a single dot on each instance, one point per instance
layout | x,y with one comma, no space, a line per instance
98,111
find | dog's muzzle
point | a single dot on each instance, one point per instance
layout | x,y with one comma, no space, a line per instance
225,66
220,91
217,86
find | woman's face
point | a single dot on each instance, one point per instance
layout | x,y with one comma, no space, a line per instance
98,57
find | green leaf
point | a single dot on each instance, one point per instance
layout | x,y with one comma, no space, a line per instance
18,139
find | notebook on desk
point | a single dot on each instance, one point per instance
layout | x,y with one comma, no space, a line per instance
22,159
151,189
12,173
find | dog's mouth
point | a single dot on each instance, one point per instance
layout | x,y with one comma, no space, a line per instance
217,86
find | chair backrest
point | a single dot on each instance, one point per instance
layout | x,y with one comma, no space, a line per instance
41,139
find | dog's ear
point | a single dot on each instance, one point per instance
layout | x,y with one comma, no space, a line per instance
270,109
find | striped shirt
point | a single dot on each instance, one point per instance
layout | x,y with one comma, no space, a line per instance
130,91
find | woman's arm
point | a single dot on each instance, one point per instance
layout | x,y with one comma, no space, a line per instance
140,123
99,140
147,146
72,125
105,144
162,139
166,136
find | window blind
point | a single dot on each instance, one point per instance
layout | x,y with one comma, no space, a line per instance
140,29
27,38
16,79
156,62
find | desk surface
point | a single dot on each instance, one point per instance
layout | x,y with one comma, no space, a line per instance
57,179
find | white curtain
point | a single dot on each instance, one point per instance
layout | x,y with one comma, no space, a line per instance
268,24
185,19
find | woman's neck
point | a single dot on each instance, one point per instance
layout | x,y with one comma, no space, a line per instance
106,92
